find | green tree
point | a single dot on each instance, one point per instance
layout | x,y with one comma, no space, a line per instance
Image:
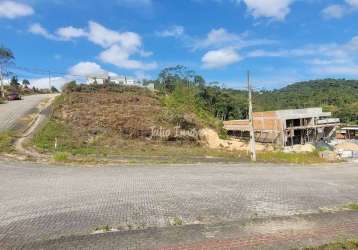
70,86
54,89
26,83
171,77
14,82
6,58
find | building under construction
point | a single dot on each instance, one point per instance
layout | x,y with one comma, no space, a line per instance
287,127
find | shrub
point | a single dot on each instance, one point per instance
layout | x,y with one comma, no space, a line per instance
61,156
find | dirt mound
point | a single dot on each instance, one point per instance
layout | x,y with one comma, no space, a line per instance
212,140
133,114
128,114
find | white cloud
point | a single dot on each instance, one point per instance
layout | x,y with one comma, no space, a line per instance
78,72
264,53
43,83
68,33
87,69
276,9
337,60
174,31
37,29
338,70
353,3
119,46
220,58
220,38
141,75
12,9
104,37
340,10
334,11
119,56
135,3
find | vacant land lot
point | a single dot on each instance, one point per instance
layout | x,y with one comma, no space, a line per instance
117,122
42,202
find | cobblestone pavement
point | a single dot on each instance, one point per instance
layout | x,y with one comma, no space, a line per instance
12,111
293,232
42,203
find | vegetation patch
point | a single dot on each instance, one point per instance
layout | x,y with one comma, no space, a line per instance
341,245
105,228
297,158
6,142
176,221
352,206
61,156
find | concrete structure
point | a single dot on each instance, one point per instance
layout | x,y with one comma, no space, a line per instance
123,80
101,79
348,133
287,127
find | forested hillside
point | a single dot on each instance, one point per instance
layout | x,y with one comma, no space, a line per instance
337,96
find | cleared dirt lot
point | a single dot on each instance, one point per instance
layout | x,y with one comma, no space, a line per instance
39,202
14,110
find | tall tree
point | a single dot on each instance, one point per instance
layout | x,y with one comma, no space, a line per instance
14,82
26,83
6,58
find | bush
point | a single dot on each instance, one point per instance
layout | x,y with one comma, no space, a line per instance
61,156
70,87
183,101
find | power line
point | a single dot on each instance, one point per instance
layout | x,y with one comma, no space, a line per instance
46,72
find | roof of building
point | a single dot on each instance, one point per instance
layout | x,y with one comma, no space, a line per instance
350,128
288,114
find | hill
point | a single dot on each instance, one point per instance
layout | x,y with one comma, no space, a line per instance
129,122
337,96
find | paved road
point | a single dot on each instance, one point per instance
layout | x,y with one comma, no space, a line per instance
39,202
12,111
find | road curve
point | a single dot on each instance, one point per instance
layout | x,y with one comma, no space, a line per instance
41,202
12,111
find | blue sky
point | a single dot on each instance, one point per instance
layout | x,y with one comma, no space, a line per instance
279,41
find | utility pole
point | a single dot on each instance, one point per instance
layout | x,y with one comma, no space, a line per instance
49,80
251,121
2,83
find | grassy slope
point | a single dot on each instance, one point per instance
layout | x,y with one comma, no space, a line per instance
176,111
179,108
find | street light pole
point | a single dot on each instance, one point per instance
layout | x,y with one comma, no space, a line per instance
251,121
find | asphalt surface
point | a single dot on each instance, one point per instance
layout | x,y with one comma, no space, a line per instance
39,203
12,111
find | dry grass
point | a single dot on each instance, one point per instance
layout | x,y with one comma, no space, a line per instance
6,141
117,124
343,245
